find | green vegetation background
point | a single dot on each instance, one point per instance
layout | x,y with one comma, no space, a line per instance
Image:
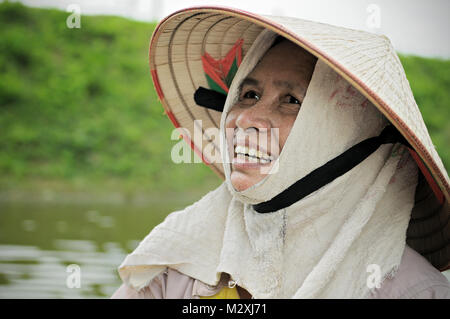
78,110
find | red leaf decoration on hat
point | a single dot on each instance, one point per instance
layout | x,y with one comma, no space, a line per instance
220,73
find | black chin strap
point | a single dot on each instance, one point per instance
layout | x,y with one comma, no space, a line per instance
331,170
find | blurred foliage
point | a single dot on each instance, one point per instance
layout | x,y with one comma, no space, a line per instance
430,82
79,105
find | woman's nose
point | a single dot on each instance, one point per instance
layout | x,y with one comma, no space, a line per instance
257,115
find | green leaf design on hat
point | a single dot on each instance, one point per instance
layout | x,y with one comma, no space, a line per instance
220,73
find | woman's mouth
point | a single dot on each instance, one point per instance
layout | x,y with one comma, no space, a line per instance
250,157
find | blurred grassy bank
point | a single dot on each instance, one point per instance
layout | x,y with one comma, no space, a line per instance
78,111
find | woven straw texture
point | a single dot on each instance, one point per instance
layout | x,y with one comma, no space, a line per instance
367,61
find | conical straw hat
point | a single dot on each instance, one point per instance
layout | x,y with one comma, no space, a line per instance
367,61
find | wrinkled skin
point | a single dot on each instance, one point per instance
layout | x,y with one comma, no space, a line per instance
270,97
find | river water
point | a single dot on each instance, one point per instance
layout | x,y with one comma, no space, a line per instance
44,246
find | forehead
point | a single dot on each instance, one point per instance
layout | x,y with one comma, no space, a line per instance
281,83
285,50
284,63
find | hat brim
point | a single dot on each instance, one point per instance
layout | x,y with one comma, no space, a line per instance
367,61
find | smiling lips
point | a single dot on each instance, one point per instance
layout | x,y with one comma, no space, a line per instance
250,154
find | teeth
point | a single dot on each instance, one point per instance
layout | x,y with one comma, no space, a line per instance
241,158
241,150
254,154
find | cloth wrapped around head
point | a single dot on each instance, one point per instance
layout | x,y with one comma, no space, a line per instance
321,245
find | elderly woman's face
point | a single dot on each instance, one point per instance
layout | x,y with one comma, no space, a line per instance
269,98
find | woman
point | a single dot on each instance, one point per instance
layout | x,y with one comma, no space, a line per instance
321,143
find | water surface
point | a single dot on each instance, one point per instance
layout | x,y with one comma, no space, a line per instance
39,242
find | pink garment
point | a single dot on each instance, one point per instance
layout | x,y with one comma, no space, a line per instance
416,278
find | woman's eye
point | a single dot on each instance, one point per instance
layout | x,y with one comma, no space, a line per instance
293,100
251,95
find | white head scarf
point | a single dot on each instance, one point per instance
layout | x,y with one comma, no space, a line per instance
321,246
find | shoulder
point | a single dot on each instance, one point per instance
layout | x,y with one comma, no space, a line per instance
415,278
169,284
172,284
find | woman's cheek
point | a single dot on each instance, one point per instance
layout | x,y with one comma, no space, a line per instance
285,129
230,124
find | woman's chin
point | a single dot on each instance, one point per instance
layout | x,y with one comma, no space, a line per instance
242,180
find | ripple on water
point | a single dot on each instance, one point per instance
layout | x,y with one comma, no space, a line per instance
30,272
